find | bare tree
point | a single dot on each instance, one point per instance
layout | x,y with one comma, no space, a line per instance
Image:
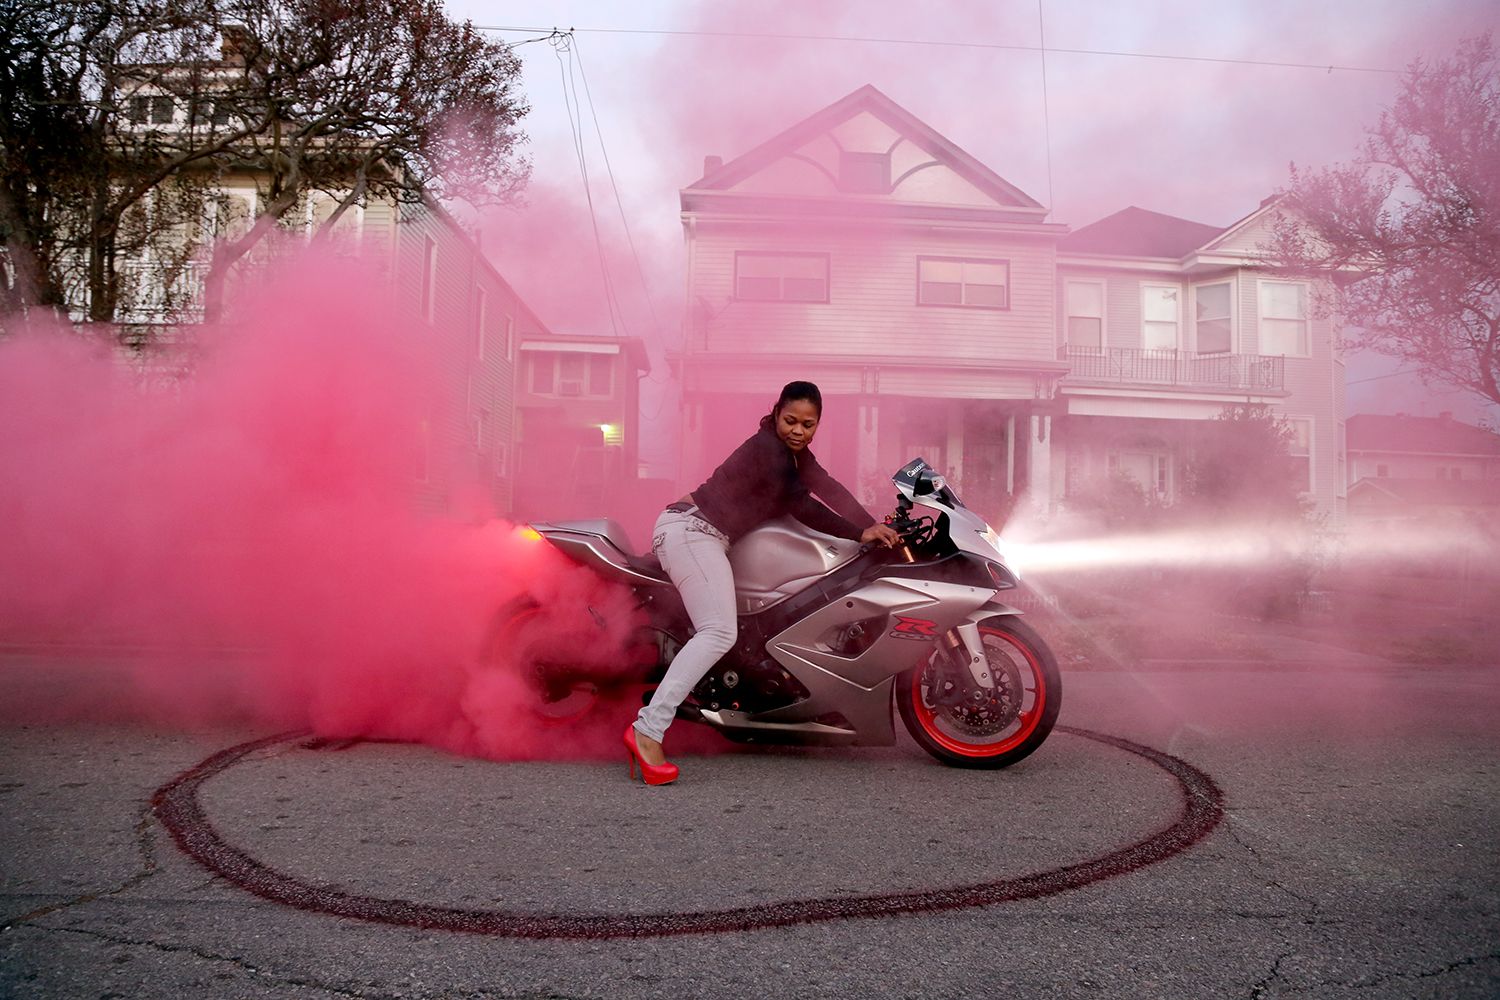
122,121
370,98
1415,222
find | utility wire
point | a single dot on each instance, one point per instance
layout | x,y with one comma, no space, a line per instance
619,202
560,42
1377,378
949,43
1041,30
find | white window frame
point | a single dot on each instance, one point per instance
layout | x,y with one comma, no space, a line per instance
429,278
1103,287
1261,317
963,282
481,309
1163,469
1311,456
1146,287
1234,326
480,429
780,296
609,376
583,383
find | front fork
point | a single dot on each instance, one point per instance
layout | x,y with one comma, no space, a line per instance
963,648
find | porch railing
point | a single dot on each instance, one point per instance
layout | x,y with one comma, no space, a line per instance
151,292
1136,366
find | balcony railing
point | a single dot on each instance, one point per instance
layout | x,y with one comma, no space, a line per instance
1135,366
158,293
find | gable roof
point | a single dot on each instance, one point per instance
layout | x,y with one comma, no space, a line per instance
1426,492
1137,232
869,99
1440,435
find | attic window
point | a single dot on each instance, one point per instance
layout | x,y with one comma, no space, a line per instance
865,173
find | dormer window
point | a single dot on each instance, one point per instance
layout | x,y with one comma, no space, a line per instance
865,173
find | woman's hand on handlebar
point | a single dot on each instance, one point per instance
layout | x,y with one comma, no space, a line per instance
882,534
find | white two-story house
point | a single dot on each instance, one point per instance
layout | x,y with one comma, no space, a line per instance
1163,323
436,280
944,316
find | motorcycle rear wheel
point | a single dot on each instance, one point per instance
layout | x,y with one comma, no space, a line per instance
518,640
986,728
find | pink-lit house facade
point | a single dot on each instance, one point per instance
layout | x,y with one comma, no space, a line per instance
945,316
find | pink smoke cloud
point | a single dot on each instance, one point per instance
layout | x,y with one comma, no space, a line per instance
250,532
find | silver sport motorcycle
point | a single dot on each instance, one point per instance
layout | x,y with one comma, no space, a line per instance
831,631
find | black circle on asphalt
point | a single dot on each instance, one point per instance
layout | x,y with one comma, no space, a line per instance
177,806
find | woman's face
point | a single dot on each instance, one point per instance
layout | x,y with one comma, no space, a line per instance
796,422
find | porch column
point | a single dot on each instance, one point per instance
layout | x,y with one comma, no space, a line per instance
866,450
689,469
1010,454
955,448
1039,466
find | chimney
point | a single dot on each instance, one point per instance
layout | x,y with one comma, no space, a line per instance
712,163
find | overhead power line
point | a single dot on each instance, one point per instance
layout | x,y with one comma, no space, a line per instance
957,44
562,42
640,270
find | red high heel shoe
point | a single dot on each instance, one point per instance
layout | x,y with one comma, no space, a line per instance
651,774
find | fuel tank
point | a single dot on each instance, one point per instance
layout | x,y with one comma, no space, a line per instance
782,557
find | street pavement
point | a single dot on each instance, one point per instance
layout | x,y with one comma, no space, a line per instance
1357,856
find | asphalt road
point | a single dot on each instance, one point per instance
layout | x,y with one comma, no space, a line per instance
1358,856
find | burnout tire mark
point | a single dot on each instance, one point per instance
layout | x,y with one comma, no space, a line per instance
177,806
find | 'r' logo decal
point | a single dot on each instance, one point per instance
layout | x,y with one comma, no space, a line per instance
914,628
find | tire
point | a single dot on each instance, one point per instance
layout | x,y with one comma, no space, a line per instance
995,734
516,642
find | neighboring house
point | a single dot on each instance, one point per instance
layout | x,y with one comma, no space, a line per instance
1402,446
439,281
1164,322
944,316
578,424
1403,467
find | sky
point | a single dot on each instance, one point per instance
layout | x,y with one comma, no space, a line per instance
1195,110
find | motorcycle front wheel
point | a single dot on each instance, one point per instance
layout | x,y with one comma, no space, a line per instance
965,725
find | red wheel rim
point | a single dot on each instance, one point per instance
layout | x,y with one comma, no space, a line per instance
1029,717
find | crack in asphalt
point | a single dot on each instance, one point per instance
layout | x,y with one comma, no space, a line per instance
1264,983
209,956
1442,970
1315,909
144,843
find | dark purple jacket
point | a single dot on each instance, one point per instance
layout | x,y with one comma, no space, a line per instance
764,479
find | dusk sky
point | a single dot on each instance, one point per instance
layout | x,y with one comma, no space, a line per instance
1195,110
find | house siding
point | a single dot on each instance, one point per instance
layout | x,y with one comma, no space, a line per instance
872,288
464,387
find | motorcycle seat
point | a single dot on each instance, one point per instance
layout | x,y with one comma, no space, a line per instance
614,532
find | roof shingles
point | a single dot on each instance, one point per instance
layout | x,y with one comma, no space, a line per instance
1136,232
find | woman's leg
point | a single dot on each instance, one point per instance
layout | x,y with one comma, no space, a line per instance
698,563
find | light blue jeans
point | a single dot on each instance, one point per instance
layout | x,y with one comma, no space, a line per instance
695,555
